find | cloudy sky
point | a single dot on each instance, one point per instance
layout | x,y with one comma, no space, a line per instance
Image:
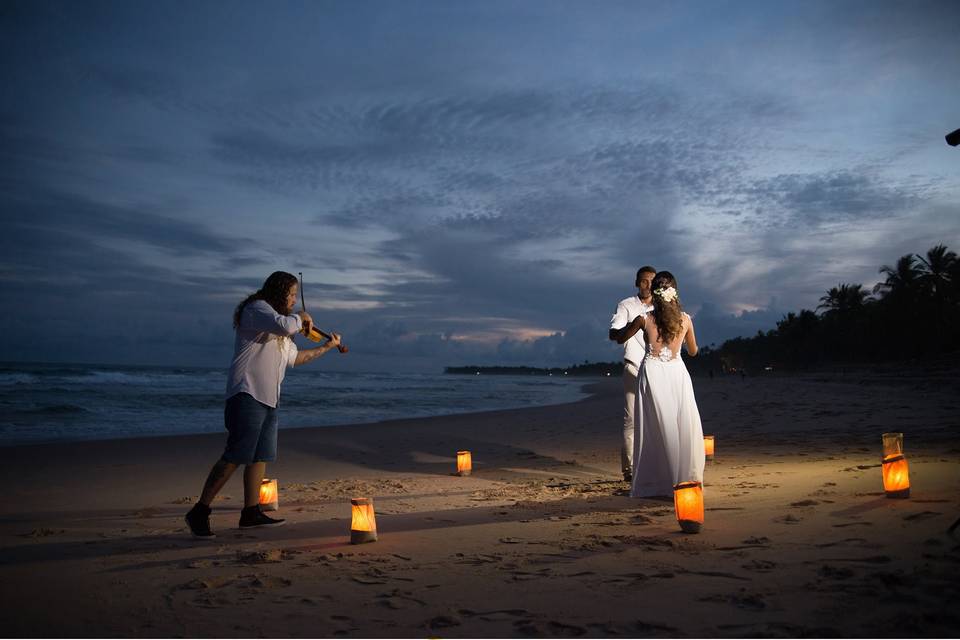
459,182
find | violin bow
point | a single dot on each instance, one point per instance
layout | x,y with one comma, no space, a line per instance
342,348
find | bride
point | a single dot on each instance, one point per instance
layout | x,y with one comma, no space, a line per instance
668,439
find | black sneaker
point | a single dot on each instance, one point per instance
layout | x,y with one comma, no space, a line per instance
198,519
252,517
627,476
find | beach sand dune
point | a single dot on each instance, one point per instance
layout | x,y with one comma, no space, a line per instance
541,540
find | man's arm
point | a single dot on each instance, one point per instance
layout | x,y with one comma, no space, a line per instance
622,335
618,323
307,355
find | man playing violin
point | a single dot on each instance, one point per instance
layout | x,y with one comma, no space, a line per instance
263,348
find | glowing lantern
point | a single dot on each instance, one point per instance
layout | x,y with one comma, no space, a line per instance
688,501
363,528
464,463
896,477
269,495
892,444
708,442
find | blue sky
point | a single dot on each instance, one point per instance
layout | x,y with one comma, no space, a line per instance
459,182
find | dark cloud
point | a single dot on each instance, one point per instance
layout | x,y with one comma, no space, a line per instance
107,223
811,199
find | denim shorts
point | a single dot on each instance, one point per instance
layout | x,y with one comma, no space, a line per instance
252,426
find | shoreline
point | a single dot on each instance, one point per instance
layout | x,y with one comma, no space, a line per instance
574,393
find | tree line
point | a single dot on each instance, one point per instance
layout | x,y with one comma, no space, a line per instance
913,314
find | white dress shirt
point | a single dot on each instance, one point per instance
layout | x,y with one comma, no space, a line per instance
628,309
262,351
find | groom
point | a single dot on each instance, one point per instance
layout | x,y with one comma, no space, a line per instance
625,331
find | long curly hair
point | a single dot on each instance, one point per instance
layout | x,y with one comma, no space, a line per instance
274,291
667,315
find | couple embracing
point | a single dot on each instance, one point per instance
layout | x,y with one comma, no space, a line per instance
662,434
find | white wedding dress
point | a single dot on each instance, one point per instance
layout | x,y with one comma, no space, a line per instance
668,436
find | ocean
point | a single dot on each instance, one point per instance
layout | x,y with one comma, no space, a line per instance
72,402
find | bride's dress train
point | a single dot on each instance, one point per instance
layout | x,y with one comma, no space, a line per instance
668,436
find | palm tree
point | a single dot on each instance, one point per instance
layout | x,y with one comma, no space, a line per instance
844,298
936,269
902,279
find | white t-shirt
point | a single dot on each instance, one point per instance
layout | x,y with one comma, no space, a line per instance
262,351
627,309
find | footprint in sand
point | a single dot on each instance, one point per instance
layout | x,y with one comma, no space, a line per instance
478,559
804,503
649,628
392,603
788,519
604,630
211,582
211,602
715,574
835,573
494,615
42,532
443,622
857,542
565,630
760,566
742,600
552,629
922,515
261,557
527,628
269,582
866,559
399,599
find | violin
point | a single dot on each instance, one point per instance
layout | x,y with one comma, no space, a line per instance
316,334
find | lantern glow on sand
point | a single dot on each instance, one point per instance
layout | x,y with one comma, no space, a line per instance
269,495
363,527
896,477
464,463
688,502
708,442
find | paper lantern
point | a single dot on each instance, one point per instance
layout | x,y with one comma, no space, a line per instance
896,477
269,495
708,442
892,444
464,463
363,527
688,502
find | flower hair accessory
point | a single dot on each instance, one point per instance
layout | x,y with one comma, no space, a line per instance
667,295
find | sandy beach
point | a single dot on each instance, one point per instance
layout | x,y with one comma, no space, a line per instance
542,540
